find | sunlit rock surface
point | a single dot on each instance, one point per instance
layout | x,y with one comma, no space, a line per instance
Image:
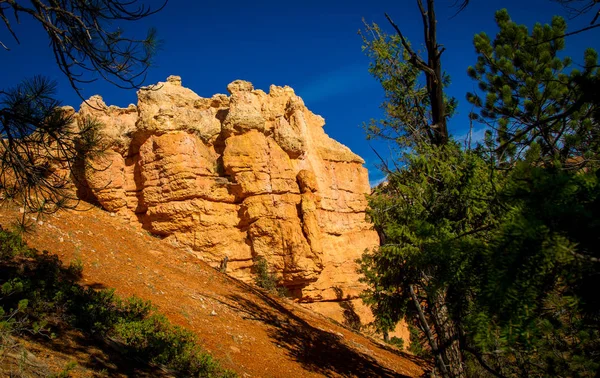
239,176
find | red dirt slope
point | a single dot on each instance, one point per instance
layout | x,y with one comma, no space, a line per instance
252,332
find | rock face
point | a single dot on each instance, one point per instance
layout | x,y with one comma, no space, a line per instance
240,176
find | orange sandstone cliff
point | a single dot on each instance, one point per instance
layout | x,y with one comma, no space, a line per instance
240,176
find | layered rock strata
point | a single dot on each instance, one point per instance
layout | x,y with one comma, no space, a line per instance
240,176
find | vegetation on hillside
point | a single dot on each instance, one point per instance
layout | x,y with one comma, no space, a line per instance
267,279
489,251
41,297
42,150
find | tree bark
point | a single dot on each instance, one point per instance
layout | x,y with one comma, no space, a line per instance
435,86
448,336
430,337
432,70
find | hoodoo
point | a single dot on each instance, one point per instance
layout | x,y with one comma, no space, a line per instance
248,175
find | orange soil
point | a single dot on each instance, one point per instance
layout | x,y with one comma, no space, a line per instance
251,332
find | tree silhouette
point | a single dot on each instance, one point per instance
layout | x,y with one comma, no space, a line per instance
574,8
41,145
86,37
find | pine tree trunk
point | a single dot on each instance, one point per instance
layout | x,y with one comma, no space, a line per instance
448,337
435,86
439,359
444,343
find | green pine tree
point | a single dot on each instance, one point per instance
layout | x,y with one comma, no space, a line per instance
532,95
490,252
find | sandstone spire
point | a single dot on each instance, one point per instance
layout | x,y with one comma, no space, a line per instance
245,175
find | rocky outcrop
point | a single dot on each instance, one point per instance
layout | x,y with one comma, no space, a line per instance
240,176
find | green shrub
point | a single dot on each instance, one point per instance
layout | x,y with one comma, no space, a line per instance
416,345
282,291
134,308
398,342
91,310
160,342
10,245
264,278
76,267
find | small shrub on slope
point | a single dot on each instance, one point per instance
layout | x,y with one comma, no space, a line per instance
266,279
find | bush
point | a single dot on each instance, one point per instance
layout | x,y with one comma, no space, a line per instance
160,342
10,245
264,278
417,346
398,342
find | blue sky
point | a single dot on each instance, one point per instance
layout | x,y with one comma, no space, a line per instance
311,46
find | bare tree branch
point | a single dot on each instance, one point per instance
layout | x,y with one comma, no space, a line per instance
415,58
84,39
431,69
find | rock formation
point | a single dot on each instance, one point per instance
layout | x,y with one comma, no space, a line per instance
245,175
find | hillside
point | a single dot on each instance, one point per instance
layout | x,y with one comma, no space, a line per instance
252,332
